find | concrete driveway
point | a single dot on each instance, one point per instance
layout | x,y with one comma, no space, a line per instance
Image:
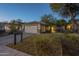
7,51
10,39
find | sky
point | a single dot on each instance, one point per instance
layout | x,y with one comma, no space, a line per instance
26,12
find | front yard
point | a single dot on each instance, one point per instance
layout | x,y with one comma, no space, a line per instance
54,44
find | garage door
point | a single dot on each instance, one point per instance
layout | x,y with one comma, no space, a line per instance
31,29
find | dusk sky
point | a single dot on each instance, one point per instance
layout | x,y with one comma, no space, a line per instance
26,12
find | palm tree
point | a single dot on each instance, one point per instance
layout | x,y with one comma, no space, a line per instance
69,10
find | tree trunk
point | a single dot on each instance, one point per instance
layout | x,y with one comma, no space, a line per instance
14,38
73,19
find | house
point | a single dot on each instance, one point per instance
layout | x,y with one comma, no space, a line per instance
8,30
40,27
46,28
32,27
72,27
2,27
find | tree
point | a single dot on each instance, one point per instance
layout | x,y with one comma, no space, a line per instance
61,23
69,22
20,28
47,20
16,27
13,28
67,10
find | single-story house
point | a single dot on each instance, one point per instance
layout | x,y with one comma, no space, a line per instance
7,27
2,27
46,28
37,27
32,27
72,27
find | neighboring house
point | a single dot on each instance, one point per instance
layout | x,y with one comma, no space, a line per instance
72,27
46,28
7,29
2,27
75,27
54,28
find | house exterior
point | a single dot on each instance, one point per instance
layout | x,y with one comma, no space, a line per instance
46,28
72,27
32,27
2,27
7,27
38,27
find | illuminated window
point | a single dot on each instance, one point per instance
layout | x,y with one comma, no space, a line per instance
53,29
69,27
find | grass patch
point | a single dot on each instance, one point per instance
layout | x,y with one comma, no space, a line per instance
40,44
55,44
70,44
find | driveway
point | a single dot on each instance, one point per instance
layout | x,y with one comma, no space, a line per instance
7,51
10,39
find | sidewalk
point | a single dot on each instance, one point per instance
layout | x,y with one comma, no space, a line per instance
6,51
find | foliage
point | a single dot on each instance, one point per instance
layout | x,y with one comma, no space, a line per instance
15,25
70,42
47,19
66,9
56,6
60,22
